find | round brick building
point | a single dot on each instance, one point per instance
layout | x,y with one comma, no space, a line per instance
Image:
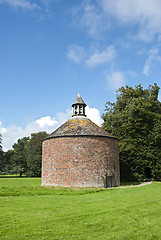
80,153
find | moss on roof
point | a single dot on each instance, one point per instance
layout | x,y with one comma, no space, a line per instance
79,126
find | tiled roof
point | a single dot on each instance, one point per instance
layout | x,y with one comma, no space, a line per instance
79,126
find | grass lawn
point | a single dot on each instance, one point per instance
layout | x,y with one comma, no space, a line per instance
28,211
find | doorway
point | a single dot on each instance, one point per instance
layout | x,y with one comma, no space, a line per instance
109,181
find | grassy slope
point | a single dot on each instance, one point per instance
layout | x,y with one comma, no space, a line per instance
38,213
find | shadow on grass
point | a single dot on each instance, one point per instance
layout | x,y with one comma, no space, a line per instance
16,176
129,183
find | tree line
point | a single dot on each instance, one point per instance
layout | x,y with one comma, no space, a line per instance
25,158
135,119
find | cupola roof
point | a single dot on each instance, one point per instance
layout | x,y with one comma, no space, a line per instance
79,100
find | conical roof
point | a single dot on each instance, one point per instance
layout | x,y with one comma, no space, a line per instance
79,100
79,126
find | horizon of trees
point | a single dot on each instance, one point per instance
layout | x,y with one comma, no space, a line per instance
24,158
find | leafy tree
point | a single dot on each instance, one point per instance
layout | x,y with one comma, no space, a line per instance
135,120
5,160
0,142
8,165
33,153
18,159
1,156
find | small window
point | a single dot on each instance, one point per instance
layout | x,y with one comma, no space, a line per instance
75,110
81,109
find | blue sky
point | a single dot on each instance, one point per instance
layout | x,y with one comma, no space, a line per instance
51,50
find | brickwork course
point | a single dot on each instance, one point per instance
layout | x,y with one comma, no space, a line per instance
80,154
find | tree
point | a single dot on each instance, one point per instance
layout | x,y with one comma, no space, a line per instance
135,120
33,153
1,156
5,160
8,165
0,142
18,158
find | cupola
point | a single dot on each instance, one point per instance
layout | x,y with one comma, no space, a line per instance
79,107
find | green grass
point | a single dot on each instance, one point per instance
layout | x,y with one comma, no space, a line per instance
28,211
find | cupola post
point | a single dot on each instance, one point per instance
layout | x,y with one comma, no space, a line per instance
79,107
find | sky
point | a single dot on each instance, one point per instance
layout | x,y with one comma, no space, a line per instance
51,50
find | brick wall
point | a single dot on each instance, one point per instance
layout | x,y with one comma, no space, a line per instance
80,161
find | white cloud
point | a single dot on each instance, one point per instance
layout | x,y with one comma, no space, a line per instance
24,4
153,58
91,19
63,117
12,133
89,15
94,115
76,53
2,129
141,15
146,14
105,56
146,69
159,97
46,121
41,9
115,80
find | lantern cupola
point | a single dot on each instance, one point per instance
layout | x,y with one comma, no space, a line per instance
79,107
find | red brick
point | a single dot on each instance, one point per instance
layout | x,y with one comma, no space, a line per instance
84,161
